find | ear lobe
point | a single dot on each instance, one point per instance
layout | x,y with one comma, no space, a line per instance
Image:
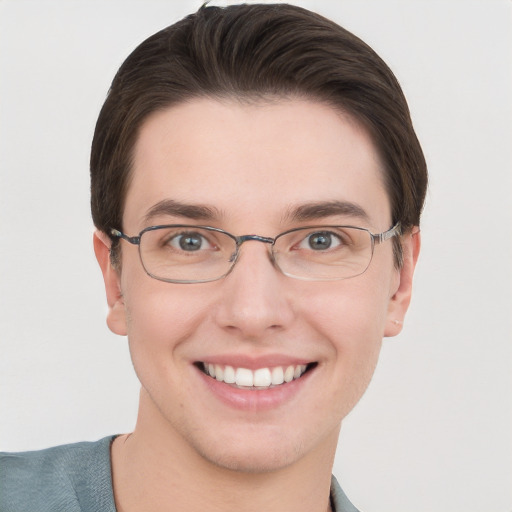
116,317
399,302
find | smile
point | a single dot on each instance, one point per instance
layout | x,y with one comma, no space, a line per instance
261,378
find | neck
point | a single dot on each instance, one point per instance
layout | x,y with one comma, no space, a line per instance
154,467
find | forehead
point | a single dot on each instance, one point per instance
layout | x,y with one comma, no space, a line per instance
254,161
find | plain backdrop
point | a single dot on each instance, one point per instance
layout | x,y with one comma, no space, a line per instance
433,432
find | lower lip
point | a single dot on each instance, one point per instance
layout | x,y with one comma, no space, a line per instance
254,399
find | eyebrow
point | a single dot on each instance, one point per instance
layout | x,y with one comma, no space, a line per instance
323,209
177,209
304,212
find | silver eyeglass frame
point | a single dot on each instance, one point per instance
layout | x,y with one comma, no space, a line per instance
376,239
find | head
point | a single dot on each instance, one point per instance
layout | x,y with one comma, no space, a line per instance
247,116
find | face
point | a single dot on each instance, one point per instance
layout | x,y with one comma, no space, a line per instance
254,166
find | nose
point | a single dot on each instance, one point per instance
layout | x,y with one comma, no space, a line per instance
255,301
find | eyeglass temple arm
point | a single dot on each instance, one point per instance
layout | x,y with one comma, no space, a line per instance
396,230
135,240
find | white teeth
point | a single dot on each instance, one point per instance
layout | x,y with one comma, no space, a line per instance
299,370
277,375
244,377
289,373
229,375
260,378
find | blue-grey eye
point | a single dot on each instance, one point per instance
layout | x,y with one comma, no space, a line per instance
320,241
189,242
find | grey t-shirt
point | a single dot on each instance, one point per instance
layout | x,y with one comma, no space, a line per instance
75,478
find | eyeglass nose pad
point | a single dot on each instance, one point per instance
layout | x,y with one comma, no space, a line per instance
236,254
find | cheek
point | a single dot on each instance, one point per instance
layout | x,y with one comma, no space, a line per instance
159,320
351,318
351,313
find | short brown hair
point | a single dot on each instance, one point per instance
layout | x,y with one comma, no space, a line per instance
253,51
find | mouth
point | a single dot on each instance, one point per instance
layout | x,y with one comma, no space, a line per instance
258,379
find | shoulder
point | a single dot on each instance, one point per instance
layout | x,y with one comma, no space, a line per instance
339,499
73,477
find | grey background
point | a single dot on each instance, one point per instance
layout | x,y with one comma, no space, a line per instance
433,431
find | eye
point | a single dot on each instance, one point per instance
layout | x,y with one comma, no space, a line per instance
321,241
189,242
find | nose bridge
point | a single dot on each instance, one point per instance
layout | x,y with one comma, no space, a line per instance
254,300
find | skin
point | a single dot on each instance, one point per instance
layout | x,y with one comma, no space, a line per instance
252,164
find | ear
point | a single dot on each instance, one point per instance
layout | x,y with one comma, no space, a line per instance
116,317
399,302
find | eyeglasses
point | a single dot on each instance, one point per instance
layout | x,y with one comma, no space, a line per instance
182,253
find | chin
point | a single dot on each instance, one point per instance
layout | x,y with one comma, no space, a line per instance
261,449
248,459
